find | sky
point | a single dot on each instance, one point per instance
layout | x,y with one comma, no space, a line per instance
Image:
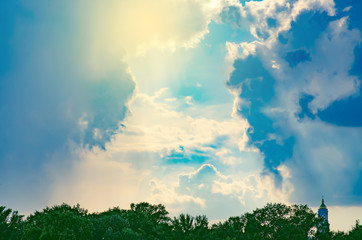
212,107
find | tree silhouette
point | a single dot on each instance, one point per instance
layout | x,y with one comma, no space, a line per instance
11,224
144,221
356,232
61,222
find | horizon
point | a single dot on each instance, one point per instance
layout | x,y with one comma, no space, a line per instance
336,223
192,104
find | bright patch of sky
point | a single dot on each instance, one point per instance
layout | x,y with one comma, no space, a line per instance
198,73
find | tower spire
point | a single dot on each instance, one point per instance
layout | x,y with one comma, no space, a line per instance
323,211
323,206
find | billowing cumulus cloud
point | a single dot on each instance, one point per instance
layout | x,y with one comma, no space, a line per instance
290,87
157,148
190,164
65,83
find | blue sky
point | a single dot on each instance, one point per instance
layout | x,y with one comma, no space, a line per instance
209,107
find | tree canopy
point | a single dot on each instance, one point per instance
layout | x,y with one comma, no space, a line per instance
152,222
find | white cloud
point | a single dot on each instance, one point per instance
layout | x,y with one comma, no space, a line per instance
315,5
176,203
325,157
133,169
329,78
347,9
244,190
254,16
134,160
154,125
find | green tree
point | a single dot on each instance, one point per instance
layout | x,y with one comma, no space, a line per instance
302,222
188,227
155,213
11,224
201,227
144,221
182,226
232,229
110,225
184,223
339,235
356,232
61,222
278,221
150,221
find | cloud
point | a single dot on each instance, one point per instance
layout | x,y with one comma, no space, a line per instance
237,192
156,142
267,19
52,100
291,89
65,82
190,164
342,111
155,125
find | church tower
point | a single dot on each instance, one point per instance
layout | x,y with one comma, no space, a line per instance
323,211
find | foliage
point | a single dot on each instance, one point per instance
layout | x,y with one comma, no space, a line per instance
61,222
11,224
144,221
147,220
188,227
356,232
278,221
110,225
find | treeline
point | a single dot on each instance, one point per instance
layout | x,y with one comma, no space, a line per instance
151,222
